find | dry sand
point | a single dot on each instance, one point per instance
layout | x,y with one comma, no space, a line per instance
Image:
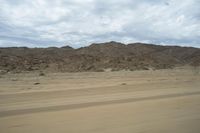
161,101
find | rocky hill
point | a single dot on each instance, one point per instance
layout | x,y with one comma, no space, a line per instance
97,57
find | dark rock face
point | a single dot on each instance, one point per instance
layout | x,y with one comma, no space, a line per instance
97,57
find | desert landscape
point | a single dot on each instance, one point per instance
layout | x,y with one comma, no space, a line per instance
142,101
99,66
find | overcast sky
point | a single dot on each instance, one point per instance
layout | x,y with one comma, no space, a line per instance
42,23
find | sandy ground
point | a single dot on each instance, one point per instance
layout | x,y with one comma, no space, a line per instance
161,101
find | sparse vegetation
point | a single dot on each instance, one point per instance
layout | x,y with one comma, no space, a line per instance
97,57
41,73
123,84
37,83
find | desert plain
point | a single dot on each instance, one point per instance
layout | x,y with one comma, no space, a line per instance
146,101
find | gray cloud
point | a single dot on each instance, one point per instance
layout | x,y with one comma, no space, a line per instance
42,23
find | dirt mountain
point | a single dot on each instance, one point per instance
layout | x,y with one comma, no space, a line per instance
97,57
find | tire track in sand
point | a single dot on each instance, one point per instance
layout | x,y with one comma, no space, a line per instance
90,104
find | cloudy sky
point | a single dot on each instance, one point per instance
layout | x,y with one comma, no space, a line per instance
43,23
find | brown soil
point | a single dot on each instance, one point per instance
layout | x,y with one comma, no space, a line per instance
97,57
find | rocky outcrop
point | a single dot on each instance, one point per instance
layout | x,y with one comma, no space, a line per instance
97,57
